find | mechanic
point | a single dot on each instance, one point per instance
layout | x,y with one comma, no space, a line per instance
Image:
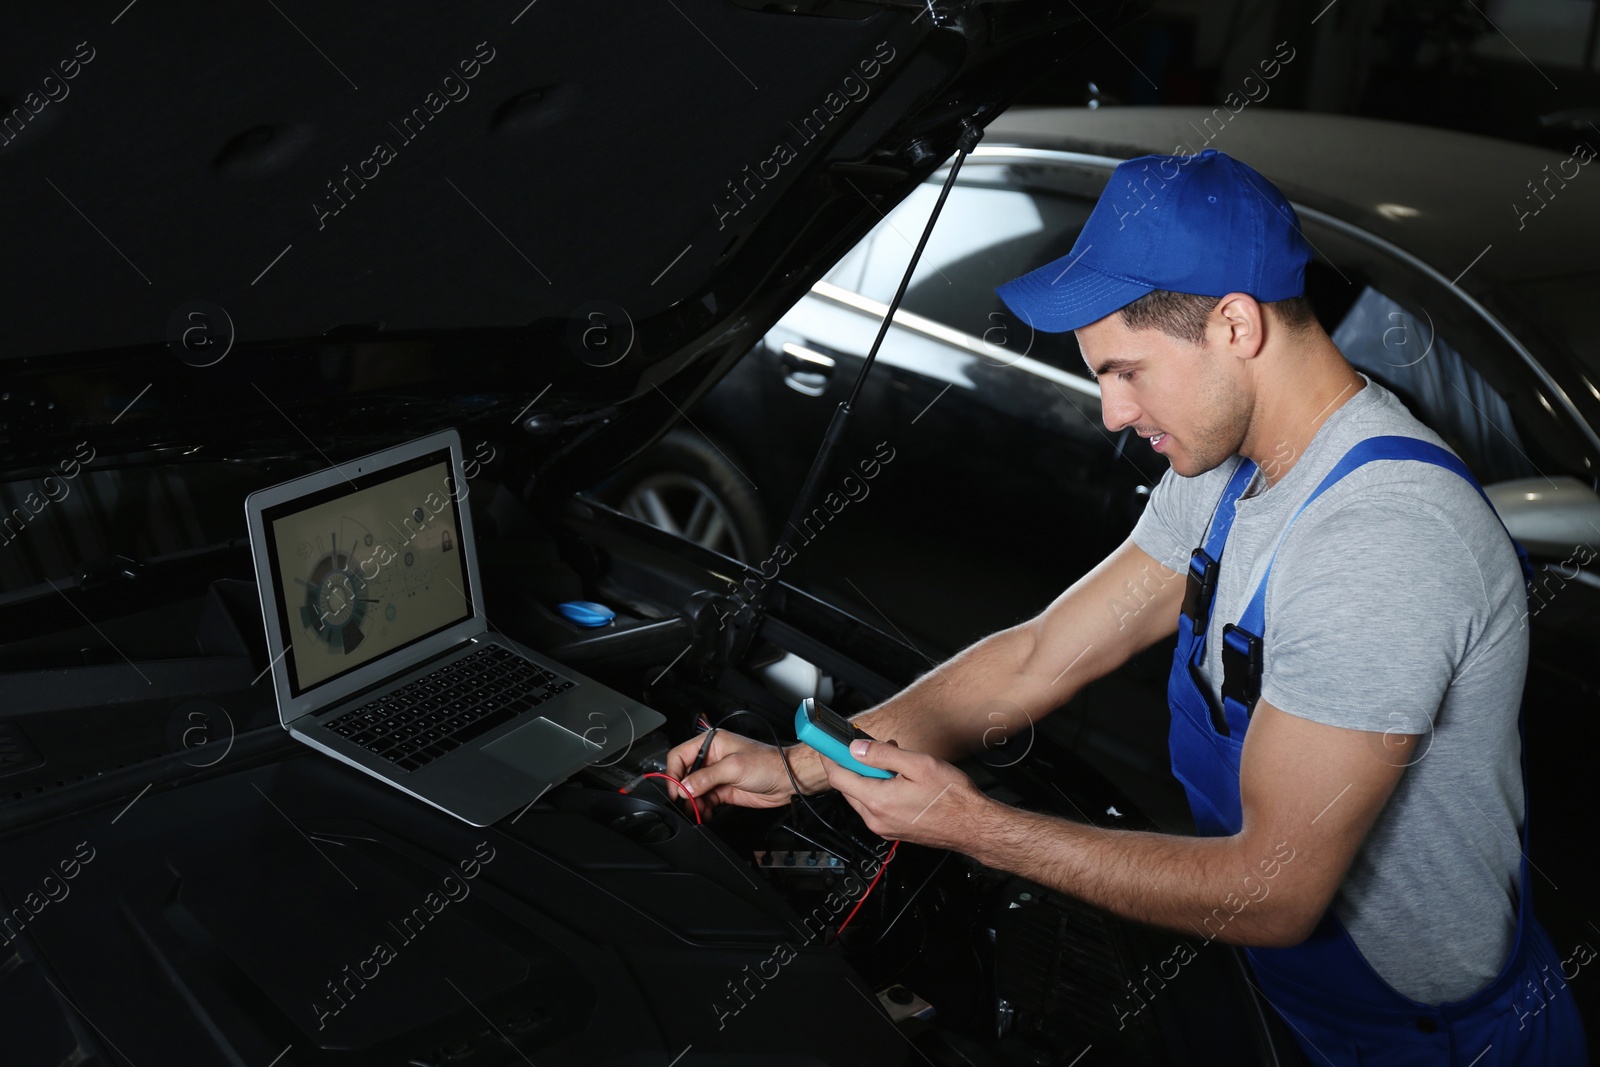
1327,566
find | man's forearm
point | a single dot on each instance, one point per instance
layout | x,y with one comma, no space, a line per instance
939,713
1011,678
942,712
1006,682
1215,888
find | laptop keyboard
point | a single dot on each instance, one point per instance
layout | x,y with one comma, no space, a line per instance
422,720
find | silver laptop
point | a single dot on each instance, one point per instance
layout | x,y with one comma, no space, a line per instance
381,655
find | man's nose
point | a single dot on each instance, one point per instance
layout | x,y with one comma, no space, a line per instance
1116,409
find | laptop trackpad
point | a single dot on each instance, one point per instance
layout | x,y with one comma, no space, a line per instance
542,749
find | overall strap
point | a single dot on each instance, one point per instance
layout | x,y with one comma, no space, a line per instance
1222,518
1362,453
1205,563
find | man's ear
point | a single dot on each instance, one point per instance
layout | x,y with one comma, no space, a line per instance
1237,325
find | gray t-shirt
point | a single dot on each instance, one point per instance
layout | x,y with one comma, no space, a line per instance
1396,605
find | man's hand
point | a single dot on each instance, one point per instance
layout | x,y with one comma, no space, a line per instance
928,802
737,771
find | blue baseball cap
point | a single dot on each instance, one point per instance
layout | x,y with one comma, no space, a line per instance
1205,224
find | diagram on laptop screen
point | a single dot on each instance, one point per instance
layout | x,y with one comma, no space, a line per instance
368,572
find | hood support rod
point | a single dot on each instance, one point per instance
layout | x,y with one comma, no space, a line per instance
965,142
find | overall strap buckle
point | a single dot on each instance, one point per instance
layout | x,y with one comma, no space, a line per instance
1199,589
1241,669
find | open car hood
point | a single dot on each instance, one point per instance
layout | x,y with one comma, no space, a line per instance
302,227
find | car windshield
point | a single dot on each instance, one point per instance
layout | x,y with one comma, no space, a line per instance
1566,307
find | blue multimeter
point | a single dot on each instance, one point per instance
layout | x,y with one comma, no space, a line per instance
829,733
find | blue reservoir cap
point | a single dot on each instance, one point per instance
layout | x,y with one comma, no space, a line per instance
586,612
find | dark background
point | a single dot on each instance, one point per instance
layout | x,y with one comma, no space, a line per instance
1524,70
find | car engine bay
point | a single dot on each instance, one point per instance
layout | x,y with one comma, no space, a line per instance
235,896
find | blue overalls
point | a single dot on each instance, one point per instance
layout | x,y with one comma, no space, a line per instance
1340,1009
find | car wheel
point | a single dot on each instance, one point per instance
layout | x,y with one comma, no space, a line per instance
686,486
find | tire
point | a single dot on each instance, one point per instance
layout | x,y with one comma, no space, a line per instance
683,484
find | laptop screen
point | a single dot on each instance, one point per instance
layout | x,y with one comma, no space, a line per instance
367,567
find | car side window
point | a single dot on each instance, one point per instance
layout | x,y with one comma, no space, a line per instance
986,235
1403,352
